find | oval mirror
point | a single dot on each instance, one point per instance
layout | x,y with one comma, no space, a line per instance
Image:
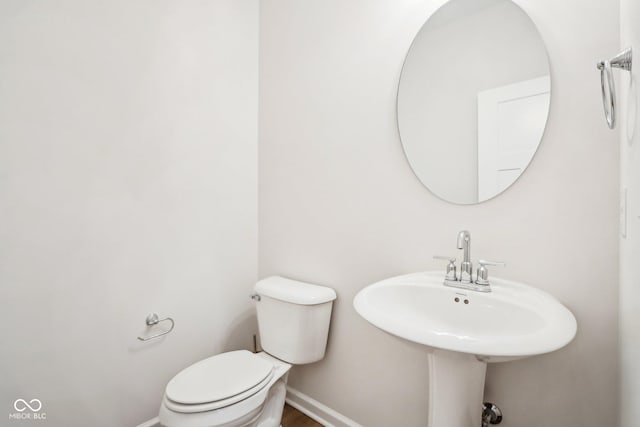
473,99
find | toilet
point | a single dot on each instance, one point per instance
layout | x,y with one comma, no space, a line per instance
245,389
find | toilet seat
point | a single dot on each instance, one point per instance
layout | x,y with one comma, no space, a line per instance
218,381
236,411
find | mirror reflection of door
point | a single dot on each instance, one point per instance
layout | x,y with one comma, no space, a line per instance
467,48
511,121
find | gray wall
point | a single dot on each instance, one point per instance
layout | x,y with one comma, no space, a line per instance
339,206
128,149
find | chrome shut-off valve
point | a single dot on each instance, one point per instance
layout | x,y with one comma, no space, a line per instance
491,414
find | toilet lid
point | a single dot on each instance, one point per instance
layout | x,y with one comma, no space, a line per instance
219,377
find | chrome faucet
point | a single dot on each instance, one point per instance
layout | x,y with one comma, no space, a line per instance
466,267
465,280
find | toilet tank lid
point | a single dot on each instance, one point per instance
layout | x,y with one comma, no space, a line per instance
293,291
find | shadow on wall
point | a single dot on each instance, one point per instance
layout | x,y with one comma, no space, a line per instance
241,332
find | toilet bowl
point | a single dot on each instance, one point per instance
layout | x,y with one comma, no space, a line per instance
244,389
234,389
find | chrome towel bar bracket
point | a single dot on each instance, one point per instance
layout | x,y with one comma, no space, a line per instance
623,60
153,320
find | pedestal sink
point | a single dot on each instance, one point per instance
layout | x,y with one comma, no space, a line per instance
463,331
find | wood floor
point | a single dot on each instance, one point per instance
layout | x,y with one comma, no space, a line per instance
291,417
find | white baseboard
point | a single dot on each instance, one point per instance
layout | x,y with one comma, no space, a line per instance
154,422
316,410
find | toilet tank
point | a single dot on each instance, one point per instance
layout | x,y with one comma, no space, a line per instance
293,318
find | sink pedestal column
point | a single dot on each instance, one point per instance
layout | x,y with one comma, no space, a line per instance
456,389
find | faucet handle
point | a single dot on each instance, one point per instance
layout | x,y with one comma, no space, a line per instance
451,267
498,263
482,276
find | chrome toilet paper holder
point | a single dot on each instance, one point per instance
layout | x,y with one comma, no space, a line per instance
153,320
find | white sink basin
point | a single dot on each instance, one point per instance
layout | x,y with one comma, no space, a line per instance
512,321
463,330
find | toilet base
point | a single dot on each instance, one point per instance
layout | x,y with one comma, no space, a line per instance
272,411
